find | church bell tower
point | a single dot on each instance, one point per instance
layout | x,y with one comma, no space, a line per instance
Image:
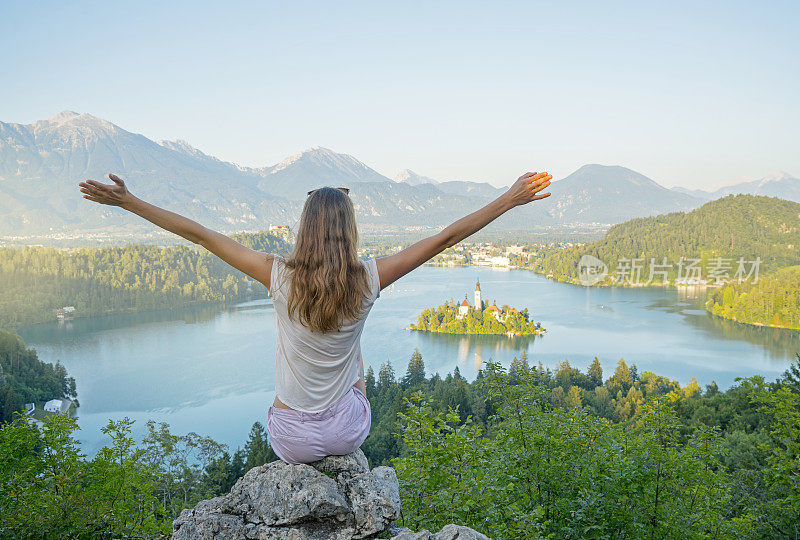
478,304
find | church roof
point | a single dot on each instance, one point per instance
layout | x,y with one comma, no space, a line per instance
464,302
477,284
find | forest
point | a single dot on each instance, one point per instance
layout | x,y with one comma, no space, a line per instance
519,453
772,301
445,319
746,226
25,379
135,277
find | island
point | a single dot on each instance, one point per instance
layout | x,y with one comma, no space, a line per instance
479,318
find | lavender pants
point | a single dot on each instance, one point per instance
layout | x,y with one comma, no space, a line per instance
301,437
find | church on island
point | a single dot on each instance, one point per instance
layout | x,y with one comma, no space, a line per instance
496,312
478,318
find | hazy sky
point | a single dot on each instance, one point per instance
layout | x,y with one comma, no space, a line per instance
687,93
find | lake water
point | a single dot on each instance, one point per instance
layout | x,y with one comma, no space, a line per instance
211,370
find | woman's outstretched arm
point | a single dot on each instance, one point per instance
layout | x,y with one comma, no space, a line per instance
255,264
524,190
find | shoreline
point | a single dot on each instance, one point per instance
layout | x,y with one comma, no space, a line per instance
137,311
575,283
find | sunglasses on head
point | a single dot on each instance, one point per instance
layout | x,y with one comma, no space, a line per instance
344,190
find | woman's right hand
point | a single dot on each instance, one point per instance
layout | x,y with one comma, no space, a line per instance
115,194
527,188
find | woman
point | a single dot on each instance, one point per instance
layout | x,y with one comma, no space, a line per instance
322,294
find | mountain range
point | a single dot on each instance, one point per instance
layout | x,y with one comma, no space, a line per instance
41,164
780,184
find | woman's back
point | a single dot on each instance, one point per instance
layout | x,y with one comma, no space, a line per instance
315,369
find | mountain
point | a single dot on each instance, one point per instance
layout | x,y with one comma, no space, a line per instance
611,194
295,176
410,177
780,184
698,193
471,189
401,204
41,164
735,226
457,187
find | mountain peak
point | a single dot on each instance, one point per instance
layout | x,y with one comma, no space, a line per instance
71,121
321,150
410,177
63,116
314,167
597,174
321,157
179,145
777,176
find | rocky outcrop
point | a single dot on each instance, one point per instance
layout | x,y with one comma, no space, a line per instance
336,498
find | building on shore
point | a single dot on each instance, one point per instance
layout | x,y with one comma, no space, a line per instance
61,405
64,313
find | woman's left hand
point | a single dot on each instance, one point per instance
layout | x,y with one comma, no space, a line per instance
115,194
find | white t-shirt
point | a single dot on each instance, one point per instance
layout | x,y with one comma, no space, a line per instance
314,369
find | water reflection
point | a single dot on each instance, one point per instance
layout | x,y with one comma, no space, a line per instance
779,343
57,331
475,347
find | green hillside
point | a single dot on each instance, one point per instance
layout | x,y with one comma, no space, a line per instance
736,226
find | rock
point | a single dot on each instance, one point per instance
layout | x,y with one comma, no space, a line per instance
375,499
281,494
448,532
336,498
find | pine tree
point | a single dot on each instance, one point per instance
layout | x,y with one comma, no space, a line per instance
385,376
526,368
369,382
416,371
596,373
257,448
621,380
237,467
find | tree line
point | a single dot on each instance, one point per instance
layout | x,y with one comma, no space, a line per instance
135,277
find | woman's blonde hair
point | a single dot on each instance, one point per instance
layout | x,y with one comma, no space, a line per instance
328,281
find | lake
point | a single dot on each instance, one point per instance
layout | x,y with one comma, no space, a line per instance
211,369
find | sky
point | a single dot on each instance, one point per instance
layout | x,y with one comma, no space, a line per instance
691,94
